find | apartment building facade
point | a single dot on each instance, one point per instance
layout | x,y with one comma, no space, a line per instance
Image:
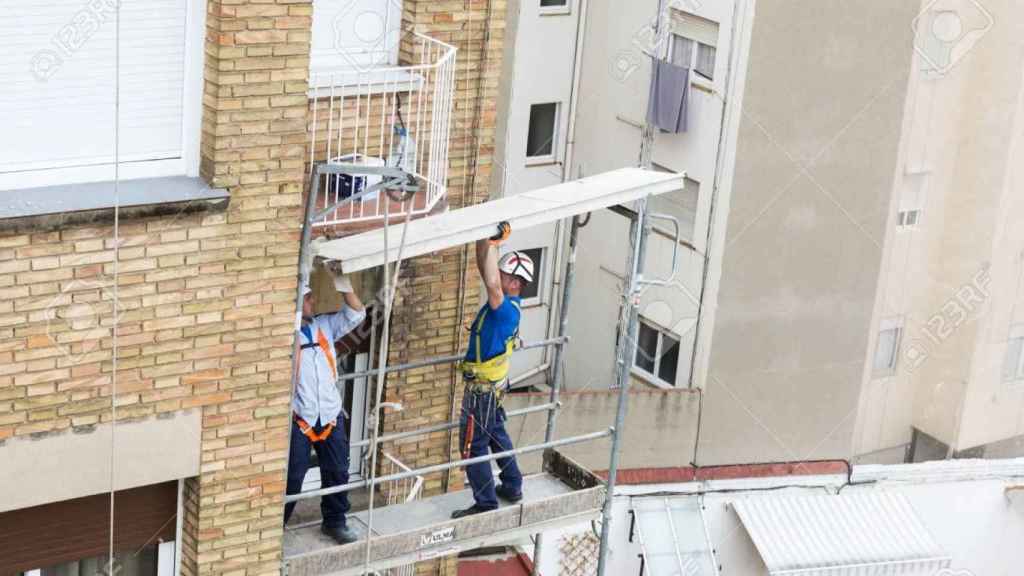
816,312
152,204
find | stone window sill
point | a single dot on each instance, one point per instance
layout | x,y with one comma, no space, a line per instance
51,207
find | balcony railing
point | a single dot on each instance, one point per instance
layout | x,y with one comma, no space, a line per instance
396,116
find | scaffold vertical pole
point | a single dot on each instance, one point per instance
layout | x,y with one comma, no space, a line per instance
639,230
556,380
303,280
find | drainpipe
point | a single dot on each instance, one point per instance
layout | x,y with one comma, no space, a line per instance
570,154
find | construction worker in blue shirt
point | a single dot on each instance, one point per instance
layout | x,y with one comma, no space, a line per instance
317,413
485,373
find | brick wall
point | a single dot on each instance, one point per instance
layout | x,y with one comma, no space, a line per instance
206,301
254,143
436,298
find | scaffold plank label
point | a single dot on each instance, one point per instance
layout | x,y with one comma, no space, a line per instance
446,534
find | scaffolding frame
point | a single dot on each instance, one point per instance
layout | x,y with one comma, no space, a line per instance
640,228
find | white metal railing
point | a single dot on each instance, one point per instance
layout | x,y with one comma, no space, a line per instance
398,492
398,116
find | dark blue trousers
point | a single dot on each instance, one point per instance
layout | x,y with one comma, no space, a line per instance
488,434
333,456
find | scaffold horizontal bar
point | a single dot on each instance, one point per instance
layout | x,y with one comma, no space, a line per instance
444,360
448,465
452,425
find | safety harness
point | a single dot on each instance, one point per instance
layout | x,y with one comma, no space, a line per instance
493,370
325,346
483,376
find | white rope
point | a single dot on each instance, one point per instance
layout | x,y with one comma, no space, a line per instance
382,363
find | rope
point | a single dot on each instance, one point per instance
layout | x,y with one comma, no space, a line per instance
382,364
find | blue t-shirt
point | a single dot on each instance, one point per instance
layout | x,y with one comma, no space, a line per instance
498,326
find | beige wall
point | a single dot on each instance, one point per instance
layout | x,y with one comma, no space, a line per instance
807,213
955,278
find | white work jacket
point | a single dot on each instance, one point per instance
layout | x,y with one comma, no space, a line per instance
316,394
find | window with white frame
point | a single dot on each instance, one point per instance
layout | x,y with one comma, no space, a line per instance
555,6
85,92
911,208
543,130
887,348
355,34
657,353
908,218
693,43
1013,362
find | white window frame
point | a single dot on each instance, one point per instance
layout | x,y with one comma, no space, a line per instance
551,158
129,168
1016,338
555,10
903,218
888,325
696,77
653,378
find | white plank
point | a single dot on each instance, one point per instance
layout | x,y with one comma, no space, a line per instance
457,227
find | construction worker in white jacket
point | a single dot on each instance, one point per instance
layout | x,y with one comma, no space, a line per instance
317,414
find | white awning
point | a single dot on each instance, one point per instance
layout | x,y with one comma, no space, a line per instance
457,227
850,534
673,537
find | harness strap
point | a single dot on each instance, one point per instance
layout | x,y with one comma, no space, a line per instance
308,431
328,351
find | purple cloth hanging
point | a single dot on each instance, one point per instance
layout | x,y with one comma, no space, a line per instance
670,88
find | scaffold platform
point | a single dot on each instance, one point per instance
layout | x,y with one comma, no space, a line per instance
564,493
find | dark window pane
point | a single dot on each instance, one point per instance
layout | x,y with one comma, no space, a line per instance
669,359
540,140
547,3
532,289
706,61
646,348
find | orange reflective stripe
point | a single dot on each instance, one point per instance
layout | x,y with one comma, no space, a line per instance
308,431
328,351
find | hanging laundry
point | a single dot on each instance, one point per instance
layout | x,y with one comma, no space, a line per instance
670,87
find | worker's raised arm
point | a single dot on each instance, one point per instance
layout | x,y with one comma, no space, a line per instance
487,264
353,312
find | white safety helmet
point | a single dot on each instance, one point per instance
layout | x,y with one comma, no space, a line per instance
517,264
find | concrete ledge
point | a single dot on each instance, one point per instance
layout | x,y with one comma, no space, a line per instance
53,207
57,467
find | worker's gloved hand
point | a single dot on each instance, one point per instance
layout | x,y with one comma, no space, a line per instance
504,231
342,283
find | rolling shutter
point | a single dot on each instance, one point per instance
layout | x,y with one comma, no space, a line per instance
65,531
59,75
695,28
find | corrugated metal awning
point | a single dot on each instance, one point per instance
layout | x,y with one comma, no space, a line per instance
673,537
854,534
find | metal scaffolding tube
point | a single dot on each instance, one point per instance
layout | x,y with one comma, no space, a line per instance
556,383
303,279
443,360
639,230
453,425
447,465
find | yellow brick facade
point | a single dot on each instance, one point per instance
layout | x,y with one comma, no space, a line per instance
205,301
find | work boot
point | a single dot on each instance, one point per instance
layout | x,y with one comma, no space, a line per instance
340,534
474,509
507,495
